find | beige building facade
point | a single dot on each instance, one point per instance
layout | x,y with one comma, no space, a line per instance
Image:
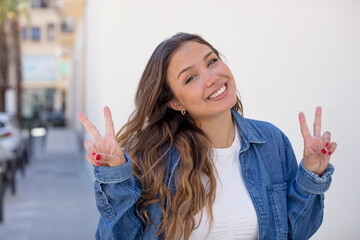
47,39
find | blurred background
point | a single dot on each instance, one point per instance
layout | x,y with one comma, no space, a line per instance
45,183
59,57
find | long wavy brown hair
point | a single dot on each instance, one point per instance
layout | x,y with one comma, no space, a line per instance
152,130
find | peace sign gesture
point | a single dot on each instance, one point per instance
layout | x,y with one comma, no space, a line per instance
104,150
317,148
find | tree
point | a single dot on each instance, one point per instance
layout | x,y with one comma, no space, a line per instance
4,54
9,13
19,7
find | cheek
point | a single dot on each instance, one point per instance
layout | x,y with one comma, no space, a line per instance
192,94
226,71
221,66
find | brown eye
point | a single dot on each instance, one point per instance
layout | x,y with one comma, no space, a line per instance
189,79
212,61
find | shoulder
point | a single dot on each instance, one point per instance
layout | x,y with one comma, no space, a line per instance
263,129
270,133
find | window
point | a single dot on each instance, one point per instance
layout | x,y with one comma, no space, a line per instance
39,4
24,33
51,32
35,36
67,25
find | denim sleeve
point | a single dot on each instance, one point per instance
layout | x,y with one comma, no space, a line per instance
116,194
305,196
311,182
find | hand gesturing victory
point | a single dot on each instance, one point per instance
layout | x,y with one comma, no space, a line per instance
104,150
317,148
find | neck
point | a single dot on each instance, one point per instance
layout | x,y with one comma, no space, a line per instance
220,129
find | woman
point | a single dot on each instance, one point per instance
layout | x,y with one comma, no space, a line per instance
187,165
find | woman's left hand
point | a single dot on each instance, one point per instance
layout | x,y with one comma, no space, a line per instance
317,148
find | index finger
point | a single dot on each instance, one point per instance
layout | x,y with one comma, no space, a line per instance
317,123
303,126
109,124
91,129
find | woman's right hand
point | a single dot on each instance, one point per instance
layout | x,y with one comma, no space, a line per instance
104,150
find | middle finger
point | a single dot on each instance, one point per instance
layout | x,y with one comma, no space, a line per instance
109,124
317,123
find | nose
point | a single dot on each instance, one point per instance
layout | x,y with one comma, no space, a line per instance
211,78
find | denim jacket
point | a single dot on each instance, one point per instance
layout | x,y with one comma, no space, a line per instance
288,199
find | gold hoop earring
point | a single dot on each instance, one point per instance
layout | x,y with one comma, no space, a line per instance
183,112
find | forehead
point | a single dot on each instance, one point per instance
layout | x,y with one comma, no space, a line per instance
188,54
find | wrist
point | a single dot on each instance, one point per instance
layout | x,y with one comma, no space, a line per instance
314,168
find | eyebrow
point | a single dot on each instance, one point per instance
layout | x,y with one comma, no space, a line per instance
187,68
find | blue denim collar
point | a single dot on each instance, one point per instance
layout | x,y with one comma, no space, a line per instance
248,134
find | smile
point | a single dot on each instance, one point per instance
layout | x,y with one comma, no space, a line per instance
219,92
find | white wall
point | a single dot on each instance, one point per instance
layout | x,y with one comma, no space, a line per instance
76,84
286,56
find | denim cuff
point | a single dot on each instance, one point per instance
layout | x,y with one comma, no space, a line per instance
117,174
311,182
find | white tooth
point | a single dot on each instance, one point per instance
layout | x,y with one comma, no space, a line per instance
220,91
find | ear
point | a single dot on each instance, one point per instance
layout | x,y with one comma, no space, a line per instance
176,105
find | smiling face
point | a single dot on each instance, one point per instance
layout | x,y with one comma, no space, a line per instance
203,84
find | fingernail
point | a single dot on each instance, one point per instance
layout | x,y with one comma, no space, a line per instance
98,157
326,144
94,154
330,153
98,164
323,150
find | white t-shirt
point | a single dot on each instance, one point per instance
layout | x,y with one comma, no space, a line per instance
233,211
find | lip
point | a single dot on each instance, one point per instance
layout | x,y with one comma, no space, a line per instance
221,95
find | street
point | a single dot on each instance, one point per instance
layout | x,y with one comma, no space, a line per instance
55,198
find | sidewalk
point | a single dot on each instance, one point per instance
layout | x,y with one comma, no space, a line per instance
55,198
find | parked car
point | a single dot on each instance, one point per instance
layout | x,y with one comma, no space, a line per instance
2,164
2,154
13,154
3,168
11,137
57,119
14,144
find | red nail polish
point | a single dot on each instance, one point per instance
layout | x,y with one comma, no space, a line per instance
98,157
330,153
323,150
98,164
326,144
94,154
